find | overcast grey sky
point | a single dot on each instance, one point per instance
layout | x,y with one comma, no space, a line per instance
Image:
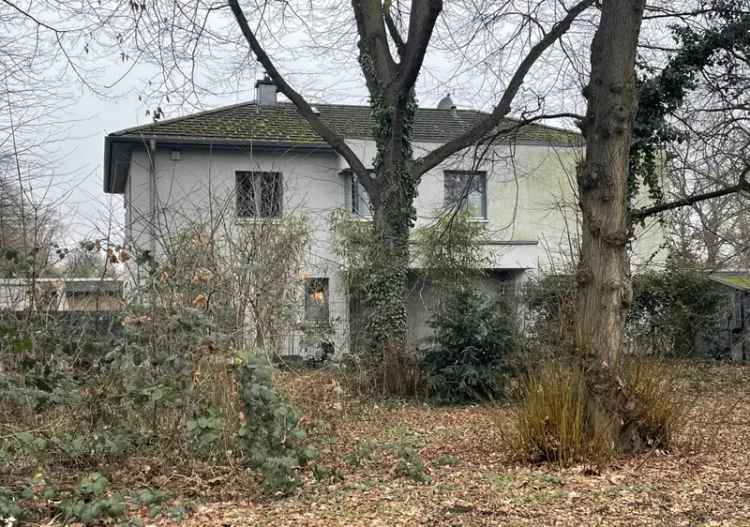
318,57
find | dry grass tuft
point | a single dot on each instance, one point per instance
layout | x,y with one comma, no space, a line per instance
554,421
558,420
663,407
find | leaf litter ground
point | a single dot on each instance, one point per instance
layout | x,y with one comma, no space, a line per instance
472,476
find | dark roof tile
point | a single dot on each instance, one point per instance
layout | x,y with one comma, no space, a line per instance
282,124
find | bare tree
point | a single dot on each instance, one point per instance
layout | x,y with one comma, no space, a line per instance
604,289
391,63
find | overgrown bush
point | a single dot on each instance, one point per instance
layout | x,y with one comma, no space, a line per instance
677,313
674,313
91,396
449,253
272,436
559,419
472,339
159,380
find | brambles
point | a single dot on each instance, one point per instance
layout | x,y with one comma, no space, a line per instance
10,510
272,436
91,503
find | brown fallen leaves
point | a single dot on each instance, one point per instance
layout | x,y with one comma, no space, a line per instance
704,482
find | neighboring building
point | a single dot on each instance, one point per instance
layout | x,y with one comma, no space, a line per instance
269,161
61,294
735,335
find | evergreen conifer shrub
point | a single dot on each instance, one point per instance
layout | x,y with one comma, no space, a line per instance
472,339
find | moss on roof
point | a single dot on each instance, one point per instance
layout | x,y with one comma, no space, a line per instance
282,124
735,280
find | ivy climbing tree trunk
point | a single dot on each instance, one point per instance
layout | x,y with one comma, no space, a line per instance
604,288
393,181
393,217
387,283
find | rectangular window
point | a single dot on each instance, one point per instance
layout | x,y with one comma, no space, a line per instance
468,191
316,300
360,199
259,194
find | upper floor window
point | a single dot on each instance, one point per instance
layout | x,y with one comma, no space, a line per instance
259,194
360,199
467,191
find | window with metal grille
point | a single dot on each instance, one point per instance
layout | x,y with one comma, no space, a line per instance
467,191
259,194
316,300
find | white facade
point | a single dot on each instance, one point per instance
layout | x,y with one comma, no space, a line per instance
530,203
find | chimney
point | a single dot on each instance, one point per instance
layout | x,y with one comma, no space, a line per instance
265,91
446,103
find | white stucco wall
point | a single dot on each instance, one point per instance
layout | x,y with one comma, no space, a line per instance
531,204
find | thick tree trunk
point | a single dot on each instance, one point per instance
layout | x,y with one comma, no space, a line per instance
386,291
604,289
394,215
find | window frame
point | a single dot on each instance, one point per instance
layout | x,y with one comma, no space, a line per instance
326,290
464,198
358,196
243,210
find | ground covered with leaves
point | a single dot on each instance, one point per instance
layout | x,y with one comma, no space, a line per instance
408,463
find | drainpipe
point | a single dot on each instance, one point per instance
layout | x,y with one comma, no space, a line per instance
152,195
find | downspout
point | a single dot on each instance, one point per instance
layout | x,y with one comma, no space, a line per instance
152,196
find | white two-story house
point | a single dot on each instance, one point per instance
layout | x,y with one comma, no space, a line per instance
266,156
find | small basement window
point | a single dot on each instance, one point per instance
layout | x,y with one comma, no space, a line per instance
259,194
316,300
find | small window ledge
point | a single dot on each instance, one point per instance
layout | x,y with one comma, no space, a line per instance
363,219
257,221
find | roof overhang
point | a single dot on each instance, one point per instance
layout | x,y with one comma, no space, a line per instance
119,148
735,280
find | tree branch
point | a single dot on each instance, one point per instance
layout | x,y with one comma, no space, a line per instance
328,134
424,13
742,185
393,29
485,126
37,21
376,61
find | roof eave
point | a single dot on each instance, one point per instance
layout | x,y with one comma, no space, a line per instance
116,165
168,140
116,173
729,282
